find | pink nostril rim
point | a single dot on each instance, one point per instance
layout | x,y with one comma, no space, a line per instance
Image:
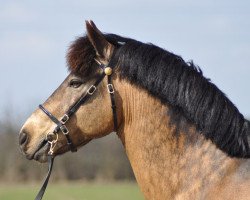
23,138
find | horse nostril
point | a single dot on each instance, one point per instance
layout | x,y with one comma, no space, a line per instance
23,137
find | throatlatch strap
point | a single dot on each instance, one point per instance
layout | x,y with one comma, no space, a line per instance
40,194
113,106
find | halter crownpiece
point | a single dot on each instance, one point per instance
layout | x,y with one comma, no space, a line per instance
61,124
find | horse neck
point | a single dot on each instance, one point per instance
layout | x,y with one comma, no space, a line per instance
165,165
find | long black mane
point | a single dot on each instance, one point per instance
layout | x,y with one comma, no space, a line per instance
176,83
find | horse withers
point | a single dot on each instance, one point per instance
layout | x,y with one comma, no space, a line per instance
184,138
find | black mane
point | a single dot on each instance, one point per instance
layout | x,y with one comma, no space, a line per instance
183,87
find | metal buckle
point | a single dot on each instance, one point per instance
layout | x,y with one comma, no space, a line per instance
91,90
64,130
64,119
52,143
50,136
110,88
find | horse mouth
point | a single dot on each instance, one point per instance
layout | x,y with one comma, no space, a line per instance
41,152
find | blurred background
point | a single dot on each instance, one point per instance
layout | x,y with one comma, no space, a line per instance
34,37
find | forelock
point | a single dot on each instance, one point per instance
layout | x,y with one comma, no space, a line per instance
80,56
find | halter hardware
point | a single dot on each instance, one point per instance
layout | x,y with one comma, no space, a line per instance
52,144
91,90
108,71
64,130
64,119
111,89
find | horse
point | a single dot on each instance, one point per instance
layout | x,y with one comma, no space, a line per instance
183,136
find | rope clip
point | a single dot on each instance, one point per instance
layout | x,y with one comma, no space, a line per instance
52,142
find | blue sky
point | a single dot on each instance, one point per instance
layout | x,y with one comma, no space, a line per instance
35,35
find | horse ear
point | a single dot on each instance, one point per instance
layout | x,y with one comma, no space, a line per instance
103,48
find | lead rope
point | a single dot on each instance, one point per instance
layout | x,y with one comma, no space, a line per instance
52,144
40,194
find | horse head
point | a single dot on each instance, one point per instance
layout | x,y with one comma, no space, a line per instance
88,60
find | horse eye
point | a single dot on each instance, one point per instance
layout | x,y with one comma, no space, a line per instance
75,83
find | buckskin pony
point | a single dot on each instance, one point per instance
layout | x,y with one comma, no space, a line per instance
184,138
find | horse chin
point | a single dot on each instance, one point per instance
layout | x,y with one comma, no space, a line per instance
41,155
41,152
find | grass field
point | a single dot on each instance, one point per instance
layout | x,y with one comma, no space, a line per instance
73,191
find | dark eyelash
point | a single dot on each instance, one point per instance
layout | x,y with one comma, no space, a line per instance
75,83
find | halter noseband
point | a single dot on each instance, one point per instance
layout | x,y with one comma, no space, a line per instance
61,124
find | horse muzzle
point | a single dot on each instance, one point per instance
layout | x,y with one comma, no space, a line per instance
39,153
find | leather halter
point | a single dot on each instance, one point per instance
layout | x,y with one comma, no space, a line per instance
61,124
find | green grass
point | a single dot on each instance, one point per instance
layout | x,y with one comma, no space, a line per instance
73,191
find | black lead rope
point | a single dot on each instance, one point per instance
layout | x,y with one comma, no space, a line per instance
61,123
40,194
